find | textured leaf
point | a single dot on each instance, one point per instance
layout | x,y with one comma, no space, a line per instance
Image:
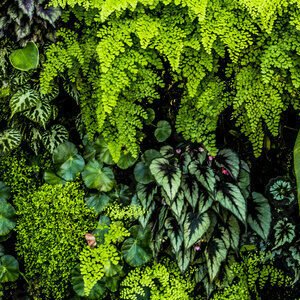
195,226
25,59
297,165
98,202
229,160
215,254
4,192
22,100
40,114
175,234
7,213
259,215
163,131
232,199
9,268
135,249
284,233
205,202
166,175
10,139
145,194
27,7
167,151
95,176
54,137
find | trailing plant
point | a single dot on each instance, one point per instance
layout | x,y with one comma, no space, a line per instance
214,55
50,236
157,281
24,20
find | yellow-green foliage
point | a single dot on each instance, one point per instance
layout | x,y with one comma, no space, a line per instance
50,236
161,281
125,48
104,259
250,276
126,213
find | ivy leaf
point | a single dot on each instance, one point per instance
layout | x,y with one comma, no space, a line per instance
4,192
10,139
7,213
54,137
98,202
284,233
9,269
215,254
231,198
25,59
195,226
259,215
297,165
23,99
163,131
95,176
51,178
229,160
175,234
40,114
166,175
136,250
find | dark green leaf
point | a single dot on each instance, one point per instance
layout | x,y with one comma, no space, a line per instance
297,165
102,150
51,178
163,131
229,160
9,268
149,155
7,213
142,173
175,234
4,192
244,179
126,161
150,116
98,202
284,233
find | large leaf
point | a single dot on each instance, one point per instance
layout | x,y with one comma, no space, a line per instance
230,233
27,7
297,165
7,213
244,179
126,161
230,197
98,202
51,178
136,250
95,176
166,175
102,150
9,268
54,137
175,234
215,254
195,226
190,189
177,206
4,192
23,99
259,215
25,59
10,139
142,173
145,194
40,114
284,233
229,160
163,131
63,152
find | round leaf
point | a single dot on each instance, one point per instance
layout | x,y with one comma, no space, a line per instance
71,167
151,154
4,191
98,202
95,176
25,59
150,116
103,153
163,131
142,173
63,152
126,161
9,268
51,178
7,212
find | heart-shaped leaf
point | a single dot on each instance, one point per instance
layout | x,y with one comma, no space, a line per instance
259,215
163,131
10,139
230,161
95,176
25,59
9,268
7,213
166,175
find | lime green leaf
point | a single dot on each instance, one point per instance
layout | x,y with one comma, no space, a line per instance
7,213
195,226
25,59
297,165
166,175
163,131
232,199
95,176
22,100
259,215
4,191
9,268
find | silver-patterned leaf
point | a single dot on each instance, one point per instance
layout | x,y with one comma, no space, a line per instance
23,100
230,161
284,233
41,114
10,139
54,137
175,234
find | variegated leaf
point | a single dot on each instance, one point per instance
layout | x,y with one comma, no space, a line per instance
23,100
40,114
10,139
229,160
